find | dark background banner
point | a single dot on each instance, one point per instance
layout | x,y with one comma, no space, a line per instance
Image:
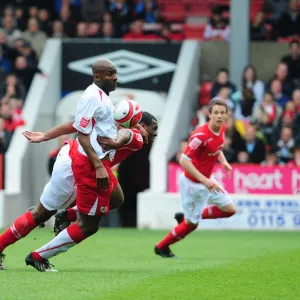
140,65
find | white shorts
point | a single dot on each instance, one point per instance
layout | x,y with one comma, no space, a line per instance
60,191
195,196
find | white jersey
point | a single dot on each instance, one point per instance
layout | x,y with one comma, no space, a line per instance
95,116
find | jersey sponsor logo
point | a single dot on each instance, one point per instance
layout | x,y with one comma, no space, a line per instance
139,137
84,122
195,143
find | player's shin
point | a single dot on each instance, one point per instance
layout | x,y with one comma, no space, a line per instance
22,226
213,212
177,234
68,238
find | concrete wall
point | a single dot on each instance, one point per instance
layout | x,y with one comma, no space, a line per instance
264,56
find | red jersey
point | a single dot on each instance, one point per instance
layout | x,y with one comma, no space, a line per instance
204,148
135,144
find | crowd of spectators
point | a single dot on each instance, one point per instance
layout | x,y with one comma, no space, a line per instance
263,126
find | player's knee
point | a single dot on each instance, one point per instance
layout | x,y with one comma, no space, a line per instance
41,214
230,209
191,223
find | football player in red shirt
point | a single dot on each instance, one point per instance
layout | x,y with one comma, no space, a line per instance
197,186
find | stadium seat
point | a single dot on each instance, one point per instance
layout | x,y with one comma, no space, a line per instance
205,91
173,12
194,32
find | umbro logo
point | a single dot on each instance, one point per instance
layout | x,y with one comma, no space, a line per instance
131,66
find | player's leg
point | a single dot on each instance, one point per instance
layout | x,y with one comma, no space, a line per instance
193,197
91,203
220,205
65,217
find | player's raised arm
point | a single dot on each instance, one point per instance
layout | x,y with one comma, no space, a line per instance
62,129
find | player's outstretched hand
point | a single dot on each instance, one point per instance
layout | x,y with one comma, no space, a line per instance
102,178
107,143
213,186
227,167
34,137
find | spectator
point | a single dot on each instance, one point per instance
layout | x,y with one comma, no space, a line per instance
106,17
296,100
58,29
222,80
20,18
217,28
271,159
279,97
11,32
69,23
223,94
167,35
285,146
283,76
296,161
289,22
92,10
147,10
250,81
178,154
254,146
293,60
258,31
137,32
44,21
93,30
288,115
12,88
228,150
36,37
25,72
5,64
33,12
30,55
244,105
275,8
243,157
267,115
121,16
81,31
108,31
232,132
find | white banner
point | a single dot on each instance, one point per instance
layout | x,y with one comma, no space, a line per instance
254,212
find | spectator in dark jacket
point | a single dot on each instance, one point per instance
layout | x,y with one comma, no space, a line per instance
222,80
293,60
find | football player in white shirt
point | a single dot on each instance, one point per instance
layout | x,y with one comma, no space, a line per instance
90,163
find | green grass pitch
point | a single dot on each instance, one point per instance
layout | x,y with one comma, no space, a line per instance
120,264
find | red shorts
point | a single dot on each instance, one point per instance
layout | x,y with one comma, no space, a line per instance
90,199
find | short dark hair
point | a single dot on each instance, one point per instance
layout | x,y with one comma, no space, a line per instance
221,70
147,118
217,101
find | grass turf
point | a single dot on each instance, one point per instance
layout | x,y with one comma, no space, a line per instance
120,264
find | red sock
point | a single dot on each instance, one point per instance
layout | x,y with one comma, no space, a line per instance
213,212
72,215
19,229
75,233
176,234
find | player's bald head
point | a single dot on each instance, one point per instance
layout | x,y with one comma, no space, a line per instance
103,65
